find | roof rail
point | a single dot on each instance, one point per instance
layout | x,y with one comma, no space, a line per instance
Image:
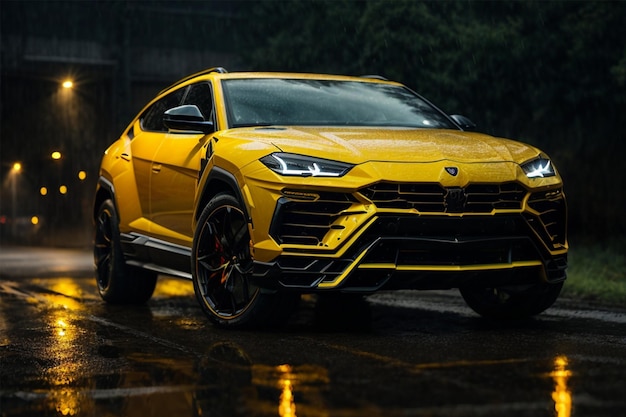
376,77
219,70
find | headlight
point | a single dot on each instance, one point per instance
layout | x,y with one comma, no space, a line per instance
539,168
304,166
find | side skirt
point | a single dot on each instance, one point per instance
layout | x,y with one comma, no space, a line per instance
156,255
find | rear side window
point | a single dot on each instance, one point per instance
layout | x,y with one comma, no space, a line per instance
152,118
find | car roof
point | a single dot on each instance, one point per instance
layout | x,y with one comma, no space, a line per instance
221,73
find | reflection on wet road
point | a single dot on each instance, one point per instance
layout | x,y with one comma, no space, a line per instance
561,395
64,352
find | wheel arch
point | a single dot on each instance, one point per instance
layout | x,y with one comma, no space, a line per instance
104,191
218,180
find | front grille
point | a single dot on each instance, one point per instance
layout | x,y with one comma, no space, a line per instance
445,228
483,198
422,197
433,198
307,222
416,252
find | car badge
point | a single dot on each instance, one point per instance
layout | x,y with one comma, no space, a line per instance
452,171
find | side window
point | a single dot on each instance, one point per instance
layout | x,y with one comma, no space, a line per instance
152,119
200,95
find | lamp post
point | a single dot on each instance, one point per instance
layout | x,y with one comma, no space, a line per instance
15,170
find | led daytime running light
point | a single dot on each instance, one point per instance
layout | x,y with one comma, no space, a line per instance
304,166
539,168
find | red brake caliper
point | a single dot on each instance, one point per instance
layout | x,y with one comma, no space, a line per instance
219,249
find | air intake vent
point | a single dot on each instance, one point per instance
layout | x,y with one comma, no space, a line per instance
307,222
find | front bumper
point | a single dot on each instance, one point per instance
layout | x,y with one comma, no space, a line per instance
424,252
400,226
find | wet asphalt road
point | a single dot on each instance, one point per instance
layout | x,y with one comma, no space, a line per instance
64,352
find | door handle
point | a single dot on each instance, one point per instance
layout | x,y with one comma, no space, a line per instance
125,156
156,168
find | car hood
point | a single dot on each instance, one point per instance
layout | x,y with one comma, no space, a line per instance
360,145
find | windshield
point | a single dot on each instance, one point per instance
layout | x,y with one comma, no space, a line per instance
300,102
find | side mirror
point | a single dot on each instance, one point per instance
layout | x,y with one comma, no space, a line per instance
187,117
464,123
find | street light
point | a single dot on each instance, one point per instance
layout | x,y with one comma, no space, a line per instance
15,171
56,155
67,84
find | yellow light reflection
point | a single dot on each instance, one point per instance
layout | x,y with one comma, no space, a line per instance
82,175
173,287
67,287
43,191
287,404
66,400
34,220
61,326
56,155
561,395
63,189
66,293
307,380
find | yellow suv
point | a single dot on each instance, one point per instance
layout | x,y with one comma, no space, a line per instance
260,187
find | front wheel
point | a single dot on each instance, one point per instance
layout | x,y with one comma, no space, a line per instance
511,302
221,265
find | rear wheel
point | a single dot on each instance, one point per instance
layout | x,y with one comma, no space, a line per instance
221,267
117,282
513,302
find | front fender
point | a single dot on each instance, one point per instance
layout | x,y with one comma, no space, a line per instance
216,180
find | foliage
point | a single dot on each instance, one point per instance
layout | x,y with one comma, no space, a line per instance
549,73
598,272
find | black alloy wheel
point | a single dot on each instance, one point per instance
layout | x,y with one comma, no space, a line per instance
222,267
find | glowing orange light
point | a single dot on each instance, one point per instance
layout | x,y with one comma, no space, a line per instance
17,167
67,84
56,155
63,189
82,175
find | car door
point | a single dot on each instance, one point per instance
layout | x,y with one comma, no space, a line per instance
148,134
174,174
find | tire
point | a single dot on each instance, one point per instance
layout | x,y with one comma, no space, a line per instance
511,302
117,282
221,266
